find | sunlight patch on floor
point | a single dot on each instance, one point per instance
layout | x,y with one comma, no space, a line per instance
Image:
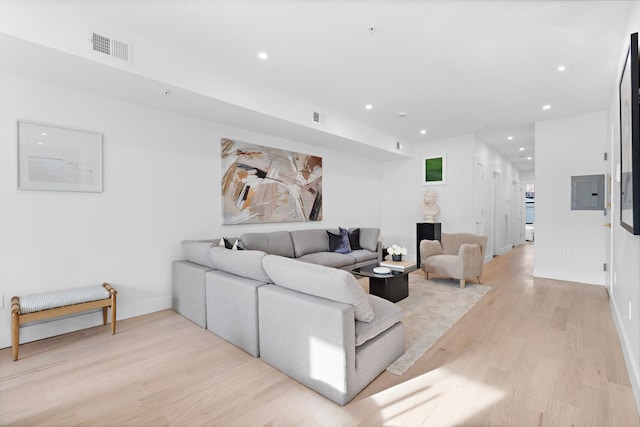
436,398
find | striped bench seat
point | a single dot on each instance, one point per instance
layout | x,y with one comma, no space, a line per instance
44,305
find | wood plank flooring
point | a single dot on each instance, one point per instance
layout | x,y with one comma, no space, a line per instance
533,352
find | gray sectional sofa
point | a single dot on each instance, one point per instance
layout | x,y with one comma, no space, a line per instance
311,321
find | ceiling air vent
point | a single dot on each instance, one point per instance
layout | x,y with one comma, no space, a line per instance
106,45
316,117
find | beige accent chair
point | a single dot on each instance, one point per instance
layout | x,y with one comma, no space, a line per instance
459,256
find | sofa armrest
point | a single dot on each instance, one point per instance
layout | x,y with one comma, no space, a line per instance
470,261
188,291
379,251
429,248
309,338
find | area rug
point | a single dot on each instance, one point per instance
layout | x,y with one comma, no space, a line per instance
431,309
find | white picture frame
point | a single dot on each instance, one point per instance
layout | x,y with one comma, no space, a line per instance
434,170
53,158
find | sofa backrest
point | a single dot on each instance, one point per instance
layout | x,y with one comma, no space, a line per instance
309,241
247,263
326,282
277,243
369,238
451,242
197,251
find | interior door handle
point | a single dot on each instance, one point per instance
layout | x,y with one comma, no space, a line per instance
607,224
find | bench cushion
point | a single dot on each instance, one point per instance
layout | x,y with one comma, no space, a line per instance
48,300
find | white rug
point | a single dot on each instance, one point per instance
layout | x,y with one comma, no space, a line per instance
431,309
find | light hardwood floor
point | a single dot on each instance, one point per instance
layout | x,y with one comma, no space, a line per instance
533,352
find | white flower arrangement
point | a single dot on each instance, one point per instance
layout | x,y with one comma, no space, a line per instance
396,250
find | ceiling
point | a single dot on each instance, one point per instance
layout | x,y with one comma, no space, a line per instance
451,67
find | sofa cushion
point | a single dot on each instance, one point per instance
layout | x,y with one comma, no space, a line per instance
339,243
329,259
369,238
277,243
387,315
442,264
197,251
309,241
363,255
241,263
312,279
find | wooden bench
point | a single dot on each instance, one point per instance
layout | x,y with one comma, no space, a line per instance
52,304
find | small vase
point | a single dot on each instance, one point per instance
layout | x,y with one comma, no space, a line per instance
396,257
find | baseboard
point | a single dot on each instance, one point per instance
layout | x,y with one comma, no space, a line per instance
632,366
503,250
50,328
572,276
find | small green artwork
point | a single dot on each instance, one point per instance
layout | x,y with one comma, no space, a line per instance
434,170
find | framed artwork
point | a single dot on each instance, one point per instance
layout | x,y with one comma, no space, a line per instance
58,159
630,141
263,184
434,170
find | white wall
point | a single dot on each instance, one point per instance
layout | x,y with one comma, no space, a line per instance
401,193
527,176
161,185
625,288
570,245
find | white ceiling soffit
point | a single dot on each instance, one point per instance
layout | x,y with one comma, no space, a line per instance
26,59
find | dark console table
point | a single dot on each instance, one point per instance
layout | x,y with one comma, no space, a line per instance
426,231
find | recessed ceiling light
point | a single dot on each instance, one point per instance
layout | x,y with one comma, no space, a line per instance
561,68
509,138
402,114
546,107
43,133
263,55
521,148
40,143
423,131
368,106
529,158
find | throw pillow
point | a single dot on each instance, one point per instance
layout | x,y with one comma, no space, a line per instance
339,243
354,239
237,246
227,243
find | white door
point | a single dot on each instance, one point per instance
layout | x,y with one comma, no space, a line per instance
516,225
497,226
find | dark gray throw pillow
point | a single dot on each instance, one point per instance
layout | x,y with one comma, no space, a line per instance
339,243
354,239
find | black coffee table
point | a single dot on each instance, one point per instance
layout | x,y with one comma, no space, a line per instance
393,286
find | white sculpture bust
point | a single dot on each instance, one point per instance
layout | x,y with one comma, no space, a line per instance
429,207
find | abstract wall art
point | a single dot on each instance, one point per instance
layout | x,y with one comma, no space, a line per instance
263,184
